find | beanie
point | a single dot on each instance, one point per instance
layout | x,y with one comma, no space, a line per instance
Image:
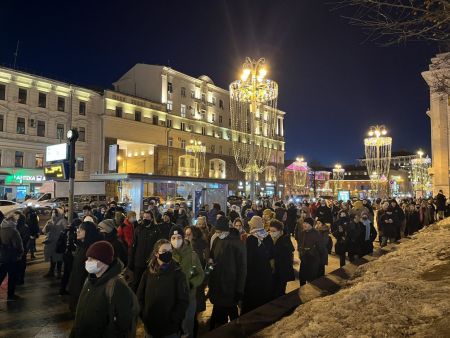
102,251
176,230
256,223
223,224
107,226
309,220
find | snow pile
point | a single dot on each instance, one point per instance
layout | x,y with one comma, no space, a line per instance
404,293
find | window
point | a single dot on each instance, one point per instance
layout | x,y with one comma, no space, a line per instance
169,87
22,96
119,111
80,163
183,144
138,116
81,134
60,131
41,128
213,148
39,161
203,130
169,105
169,123
182,162
155,120
183,92
2,121
213,117
170,142
82,108
42,100
192,163
61,103
2,92
221,103
220,119
183,110
203,98
192,94
203,114
20,125
18,162
170,161
213,101
183,126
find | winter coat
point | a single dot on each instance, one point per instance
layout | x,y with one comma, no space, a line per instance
32,221
191,266
145,237
212,216
367,245
233,215
440,202
311,254
339,231
201,248
412,222
389,225
126,233
24,234
324,214
10,236
283,254
291,218
79,273
324,232
120,248
227,279
355,238
182,220
163,297
259,283
164,228
280,214
93,310
53,230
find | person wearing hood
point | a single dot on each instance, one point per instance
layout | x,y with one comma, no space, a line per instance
106,307
339,231
234,213
163,293
86,235
258,286
239,225
267,216
165,226
227,270
191,266
146,234
370,234
311,252
125,230
358,208
12,252
323,212
107,229
55,225
24,232
283,254
212,214
390,226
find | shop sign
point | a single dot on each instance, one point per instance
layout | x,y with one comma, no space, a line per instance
54,171
57,152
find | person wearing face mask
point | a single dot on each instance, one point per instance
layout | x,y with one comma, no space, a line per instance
227,273
283,254
258,286
108,230
369,235
126,230
165,225
182,218
86,235
106,307
311,252
191,266
163,293
324,212
146,234
55,225
339,231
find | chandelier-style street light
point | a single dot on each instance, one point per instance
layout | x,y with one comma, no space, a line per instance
197,150
338,176
378,155
420,178
253,105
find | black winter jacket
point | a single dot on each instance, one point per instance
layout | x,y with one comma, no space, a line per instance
145,237
284,259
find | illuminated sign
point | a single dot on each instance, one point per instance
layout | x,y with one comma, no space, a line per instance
57,152
343,195
54,171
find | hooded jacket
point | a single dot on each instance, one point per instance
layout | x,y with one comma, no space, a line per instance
10,236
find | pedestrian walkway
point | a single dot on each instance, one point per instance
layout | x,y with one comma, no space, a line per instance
41,312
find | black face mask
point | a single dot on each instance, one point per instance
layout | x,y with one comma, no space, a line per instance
165,257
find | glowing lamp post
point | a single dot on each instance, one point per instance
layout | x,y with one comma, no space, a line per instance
196,149
338,176
253,103
419,168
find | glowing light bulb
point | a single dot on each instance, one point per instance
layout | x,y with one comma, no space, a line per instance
245,74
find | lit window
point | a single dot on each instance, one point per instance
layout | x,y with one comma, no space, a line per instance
39,160
169,105
183,144
183,110
18,160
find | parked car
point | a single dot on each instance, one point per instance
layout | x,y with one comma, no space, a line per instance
7,206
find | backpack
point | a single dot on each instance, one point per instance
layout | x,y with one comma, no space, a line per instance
110,285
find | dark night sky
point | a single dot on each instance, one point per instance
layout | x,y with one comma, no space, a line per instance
333,85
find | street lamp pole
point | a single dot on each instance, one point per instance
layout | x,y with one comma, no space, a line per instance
72,136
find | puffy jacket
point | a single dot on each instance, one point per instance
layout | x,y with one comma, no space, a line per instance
126,232
145,237
10,236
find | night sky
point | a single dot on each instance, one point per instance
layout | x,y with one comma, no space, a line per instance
333,84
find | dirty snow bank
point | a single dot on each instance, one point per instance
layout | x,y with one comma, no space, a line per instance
404,293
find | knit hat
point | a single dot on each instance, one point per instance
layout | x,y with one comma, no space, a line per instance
309,220
223,224
256,223
102,251
107,226
276,224
176,230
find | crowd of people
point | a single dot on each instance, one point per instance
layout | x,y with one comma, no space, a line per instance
162,267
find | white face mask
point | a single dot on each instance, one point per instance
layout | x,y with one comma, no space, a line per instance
275,234
223,234
176,243
92,267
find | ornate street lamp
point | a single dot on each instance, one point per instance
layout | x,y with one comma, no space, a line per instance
196,149
253,105
338,176
378,154
420,179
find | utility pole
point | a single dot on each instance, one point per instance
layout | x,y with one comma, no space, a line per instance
16,54
72,135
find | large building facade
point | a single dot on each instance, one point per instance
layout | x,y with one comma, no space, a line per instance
438,79
36,112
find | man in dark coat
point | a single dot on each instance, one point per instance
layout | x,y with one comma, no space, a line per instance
355,236
440,205
32,220
228,261
107,229
369,234
311,252
339,231
165,226
280,212
145,236
323,213
389,226
291,219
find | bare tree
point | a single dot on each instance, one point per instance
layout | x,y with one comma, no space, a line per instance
390,22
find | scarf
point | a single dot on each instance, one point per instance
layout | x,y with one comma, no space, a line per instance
366,223
260,234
